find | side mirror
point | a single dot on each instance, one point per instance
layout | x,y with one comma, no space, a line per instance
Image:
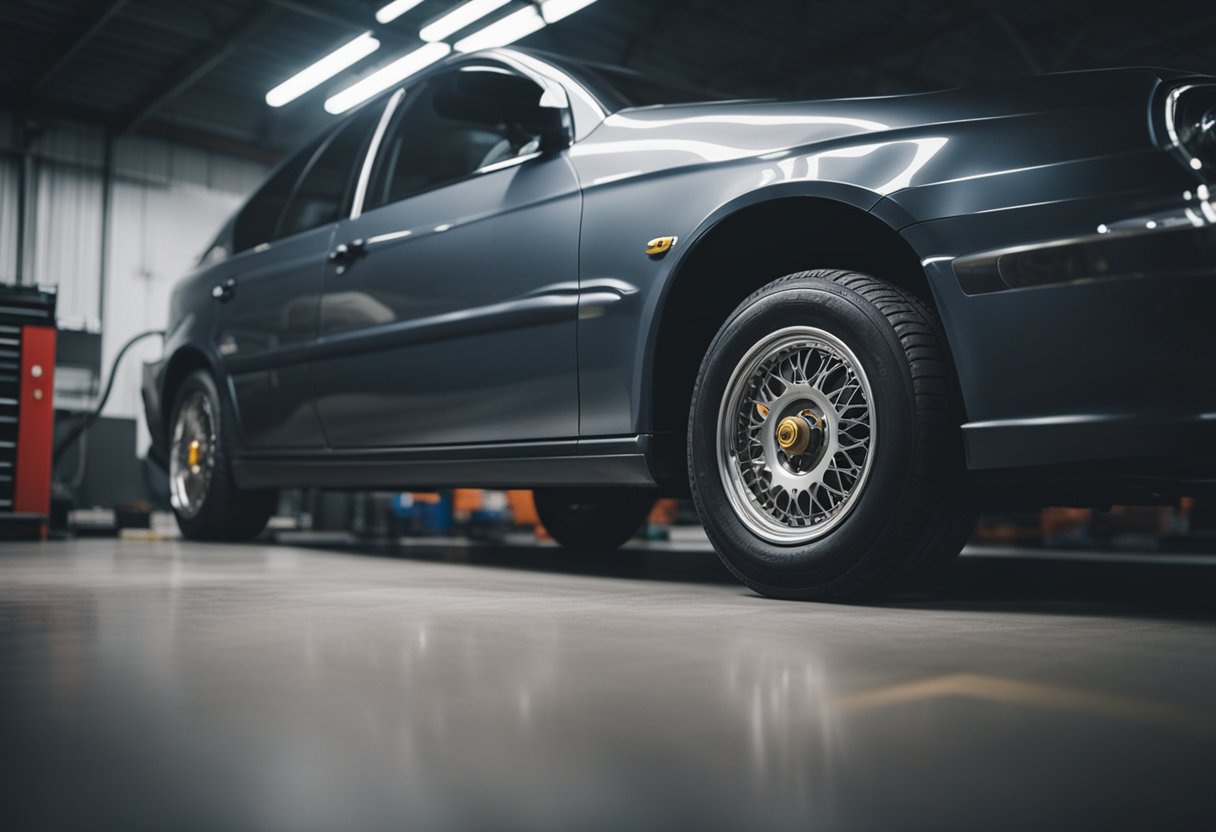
489,96
552,124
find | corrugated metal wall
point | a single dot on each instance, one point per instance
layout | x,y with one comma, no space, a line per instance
8,218
9,173
65,240
167,202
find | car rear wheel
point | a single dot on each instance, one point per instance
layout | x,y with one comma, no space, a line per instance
205,499
825,453
592,519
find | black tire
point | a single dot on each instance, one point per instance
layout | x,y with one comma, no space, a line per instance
594,520
914,510
227,513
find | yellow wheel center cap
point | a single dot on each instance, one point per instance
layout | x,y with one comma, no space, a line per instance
194,454
800,433
793,435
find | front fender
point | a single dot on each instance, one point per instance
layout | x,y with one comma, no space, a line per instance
617,342
188,347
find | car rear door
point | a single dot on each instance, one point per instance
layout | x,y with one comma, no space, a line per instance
450,307
271,289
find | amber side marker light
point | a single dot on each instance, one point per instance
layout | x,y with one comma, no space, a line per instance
660,246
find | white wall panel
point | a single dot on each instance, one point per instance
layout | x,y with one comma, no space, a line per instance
8,218
236,175
190,165
67,238
142,157
145,157
78,144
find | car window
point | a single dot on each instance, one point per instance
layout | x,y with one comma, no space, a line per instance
323,194
450,127
258,220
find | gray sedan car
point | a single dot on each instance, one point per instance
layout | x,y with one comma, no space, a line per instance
842,326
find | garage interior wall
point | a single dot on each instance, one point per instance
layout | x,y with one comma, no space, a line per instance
167,202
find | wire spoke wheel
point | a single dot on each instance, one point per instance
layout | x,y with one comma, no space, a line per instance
192,454
796,434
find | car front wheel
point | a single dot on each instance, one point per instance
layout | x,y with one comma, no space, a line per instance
825,451
205,499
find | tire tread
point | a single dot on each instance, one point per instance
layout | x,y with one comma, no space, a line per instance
937,513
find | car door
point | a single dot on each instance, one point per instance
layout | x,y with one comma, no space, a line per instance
271,289
450,307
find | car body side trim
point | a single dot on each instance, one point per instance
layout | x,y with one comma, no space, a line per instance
1075,438
559,303
618,461
1152,250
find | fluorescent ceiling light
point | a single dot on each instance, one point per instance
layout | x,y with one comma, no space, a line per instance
555,10
395,9
459,17
345,55
500,33
387,76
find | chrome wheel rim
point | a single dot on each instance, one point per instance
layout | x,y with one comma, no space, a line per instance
192,454
786,490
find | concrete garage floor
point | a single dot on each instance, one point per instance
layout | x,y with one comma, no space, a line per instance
184,686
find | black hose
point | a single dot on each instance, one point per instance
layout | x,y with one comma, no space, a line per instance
89,418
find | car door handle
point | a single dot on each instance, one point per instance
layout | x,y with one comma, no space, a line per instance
346,252
225,291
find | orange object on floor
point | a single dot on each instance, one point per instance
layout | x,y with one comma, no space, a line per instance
465,501
664,512
523,508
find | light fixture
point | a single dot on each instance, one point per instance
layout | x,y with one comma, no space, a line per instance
387,76
395,9
555,10
502,32
345,55
459,17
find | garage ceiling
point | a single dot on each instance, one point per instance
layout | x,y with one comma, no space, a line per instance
199,70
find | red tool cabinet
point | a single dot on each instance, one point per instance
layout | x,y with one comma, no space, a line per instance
27,416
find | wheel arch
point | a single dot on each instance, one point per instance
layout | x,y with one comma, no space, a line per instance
738,251
185,360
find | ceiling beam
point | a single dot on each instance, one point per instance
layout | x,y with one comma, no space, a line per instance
187,73
78,41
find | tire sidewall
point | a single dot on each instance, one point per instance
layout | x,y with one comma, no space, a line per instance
201,523
785,570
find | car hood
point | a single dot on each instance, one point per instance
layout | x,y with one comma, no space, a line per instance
763,123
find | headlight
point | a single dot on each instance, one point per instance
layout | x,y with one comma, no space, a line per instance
1191,121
